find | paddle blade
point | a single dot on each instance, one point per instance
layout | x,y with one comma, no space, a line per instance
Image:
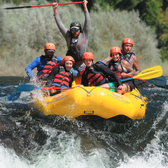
149,73
27,87
11,97
160,81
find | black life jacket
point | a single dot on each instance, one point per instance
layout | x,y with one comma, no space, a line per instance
74,52
48,67
62,79
94,77
117,67
127,57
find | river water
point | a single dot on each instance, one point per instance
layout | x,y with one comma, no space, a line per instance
30,140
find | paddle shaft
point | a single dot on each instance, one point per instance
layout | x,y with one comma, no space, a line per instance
49,70
50,88
137,78
36,6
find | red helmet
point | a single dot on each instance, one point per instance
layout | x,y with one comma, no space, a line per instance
68,58
115,50
88,55
50,47
127,41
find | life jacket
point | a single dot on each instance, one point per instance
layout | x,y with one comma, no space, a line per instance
48,67
74,52
94,77
127,57
116,67
62,79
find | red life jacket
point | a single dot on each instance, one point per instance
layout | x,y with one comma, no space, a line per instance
95,78
62,78
49,66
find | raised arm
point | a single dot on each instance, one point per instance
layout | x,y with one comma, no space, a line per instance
58,20
85,2
86,27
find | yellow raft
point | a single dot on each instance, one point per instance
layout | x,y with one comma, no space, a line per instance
92,101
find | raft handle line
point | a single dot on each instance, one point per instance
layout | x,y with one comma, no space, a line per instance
88,92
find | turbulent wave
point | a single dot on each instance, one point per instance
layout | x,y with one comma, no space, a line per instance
29,139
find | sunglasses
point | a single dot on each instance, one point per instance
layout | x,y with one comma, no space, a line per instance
75,29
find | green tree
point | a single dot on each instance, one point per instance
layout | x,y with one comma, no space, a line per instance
153,12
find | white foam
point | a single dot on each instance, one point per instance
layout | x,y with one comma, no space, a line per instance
8,159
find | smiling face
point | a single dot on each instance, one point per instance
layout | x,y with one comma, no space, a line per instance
115,57
127,48
68,65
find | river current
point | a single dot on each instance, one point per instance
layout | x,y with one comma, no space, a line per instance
31,140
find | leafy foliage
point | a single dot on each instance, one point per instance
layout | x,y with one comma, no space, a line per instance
153,12
25,32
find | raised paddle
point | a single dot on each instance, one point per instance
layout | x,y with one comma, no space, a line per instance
36,6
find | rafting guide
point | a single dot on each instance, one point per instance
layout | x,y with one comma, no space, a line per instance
76,37
43,63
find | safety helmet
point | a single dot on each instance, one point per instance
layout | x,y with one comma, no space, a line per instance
50,47
75,24
88,55
68,58
115,50
127,41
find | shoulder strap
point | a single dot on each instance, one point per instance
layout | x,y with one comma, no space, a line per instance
41,58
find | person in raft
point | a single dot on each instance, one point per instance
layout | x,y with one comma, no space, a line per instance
130,56
43,63
121,68
97,74
61,76
76,38
127,55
